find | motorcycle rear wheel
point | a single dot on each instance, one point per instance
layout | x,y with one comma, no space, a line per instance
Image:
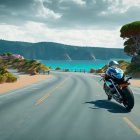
128,101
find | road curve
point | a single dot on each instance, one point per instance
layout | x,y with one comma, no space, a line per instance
67,106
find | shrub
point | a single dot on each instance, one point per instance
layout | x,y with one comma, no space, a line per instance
3,70
2,79
5,76
11,78
66,70
121,61
99,70
92,70
132,68
50,68
58,68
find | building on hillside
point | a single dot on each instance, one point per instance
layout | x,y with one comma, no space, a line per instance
13,56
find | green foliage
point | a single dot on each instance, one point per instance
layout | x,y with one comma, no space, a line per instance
123,64
121,61
132,68
9,54
23,65
32,61
128,49
129,42
4,54
139,53
5,76
130,29
3,71
15,60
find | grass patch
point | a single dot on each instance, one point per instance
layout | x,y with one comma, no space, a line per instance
6,76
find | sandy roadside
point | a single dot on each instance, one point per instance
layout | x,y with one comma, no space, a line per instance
135,82
24,80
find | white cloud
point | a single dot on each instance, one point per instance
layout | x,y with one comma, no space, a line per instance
37,32
130,3
45,12
118,6
81,2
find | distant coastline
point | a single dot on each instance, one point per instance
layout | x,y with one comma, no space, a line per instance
56,51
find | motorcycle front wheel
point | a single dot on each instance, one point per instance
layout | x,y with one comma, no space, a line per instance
107,90
128,101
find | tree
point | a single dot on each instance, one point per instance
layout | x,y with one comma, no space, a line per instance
4,54
9,54
131,33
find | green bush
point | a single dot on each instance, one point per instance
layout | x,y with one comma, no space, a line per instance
11,78
5,76
132,68
123,61
2,79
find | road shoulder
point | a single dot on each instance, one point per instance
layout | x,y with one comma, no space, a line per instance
24,80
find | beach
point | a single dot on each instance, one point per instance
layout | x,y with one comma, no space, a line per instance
23,80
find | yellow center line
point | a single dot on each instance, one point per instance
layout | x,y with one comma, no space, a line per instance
48,94
132,125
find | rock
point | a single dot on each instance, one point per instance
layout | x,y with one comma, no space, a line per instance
92,70
58,68
105,68
66,70
100,70
50,68
32,72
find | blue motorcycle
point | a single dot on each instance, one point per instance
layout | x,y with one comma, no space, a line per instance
116,86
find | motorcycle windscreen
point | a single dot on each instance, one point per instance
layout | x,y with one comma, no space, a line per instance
116,72
118,75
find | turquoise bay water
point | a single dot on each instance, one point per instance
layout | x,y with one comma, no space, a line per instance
78,65
75,64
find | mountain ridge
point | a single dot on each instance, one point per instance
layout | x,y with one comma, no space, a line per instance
57,51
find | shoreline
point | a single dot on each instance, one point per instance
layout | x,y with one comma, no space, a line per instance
23,81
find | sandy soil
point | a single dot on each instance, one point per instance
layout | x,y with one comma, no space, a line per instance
135,82
24,80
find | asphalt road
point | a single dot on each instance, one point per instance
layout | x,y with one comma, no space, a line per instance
67,106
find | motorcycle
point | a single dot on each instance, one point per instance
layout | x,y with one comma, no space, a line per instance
116,86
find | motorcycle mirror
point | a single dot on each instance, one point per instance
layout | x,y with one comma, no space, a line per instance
130,78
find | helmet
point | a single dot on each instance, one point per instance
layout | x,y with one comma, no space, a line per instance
113,64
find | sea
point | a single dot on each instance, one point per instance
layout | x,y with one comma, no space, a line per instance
77,65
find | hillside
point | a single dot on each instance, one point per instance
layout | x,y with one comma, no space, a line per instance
56,51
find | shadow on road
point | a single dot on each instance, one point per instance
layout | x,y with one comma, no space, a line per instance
109,105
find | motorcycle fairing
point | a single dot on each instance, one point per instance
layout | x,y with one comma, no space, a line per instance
116,72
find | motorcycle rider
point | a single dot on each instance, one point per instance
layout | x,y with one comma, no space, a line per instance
112,64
